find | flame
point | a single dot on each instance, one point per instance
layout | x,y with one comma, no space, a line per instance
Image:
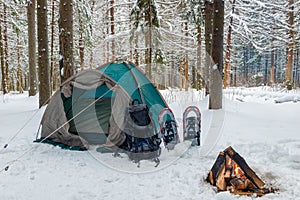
237,170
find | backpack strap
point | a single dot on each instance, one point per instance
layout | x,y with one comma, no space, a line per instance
135,100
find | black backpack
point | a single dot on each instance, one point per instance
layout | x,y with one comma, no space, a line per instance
141,142
139,113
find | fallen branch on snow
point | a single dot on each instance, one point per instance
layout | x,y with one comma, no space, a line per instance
284,99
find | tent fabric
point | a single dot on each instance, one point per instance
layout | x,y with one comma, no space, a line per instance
90,107
54,122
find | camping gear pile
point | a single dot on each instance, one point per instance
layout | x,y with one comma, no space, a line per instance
114,106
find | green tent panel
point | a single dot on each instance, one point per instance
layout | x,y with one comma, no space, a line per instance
90,107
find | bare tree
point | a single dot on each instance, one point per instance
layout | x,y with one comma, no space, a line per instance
227,69
54,74
81,41
112,28
290,48
66,39
4,86
19,69
186,63
208,43
216,83
5,47
92,32
43,58
32,47
144,14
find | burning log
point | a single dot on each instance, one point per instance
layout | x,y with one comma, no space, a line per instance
238,183
249,173
215,170
231,172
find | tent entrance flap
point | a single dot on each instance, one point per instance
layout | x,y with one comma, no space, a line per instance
92,124
94,119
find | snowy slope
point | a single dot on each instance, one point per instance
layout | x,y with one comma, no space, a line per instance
265,133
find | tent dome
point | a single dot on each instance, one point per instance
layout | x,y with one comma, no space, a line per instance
90,107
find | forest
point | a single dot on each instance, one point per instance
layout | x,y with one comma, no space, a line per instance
150,99
44,42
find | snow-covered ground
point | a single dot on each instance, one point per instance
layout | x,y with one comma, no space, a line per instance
265,133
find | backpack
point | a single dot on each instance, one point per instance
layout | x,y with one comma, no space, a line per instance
141,142
139,113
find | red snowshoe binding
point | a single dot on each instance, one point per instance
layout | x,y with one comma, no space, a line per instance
168,128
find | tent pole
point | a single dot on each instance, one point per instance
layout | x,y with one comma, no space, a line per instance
138,85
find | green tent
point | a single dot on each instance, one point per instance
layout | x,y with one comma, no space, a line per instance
90,107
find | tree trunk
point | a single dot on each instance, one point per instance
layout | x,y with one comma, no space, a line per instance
197,70
81,51
2,62
216,83
19,70
136,54
289,64
66,38
91,30
43,58
186,73
245,59
112,29
32,47
272,69
131,49
266,69
106,44
148,43
234,74
81,44
208,43
297,81
130,52
5,47
173,71
180,72
54,74
227,69
168,69
186,63
194,77
148,55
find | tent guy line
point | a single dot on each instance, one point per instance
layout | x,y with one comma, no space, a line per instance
7,165
25,124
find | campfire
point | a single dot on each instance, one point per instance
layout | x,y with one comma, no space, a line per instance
230,172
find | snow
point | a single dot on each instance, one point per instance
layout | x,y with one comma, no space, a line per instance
264,132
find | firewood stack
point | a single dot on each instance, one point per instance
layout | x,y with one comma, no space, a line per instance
230,172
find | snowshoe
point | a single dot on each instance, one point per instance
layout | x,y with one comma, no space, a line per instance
192,125
168,128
